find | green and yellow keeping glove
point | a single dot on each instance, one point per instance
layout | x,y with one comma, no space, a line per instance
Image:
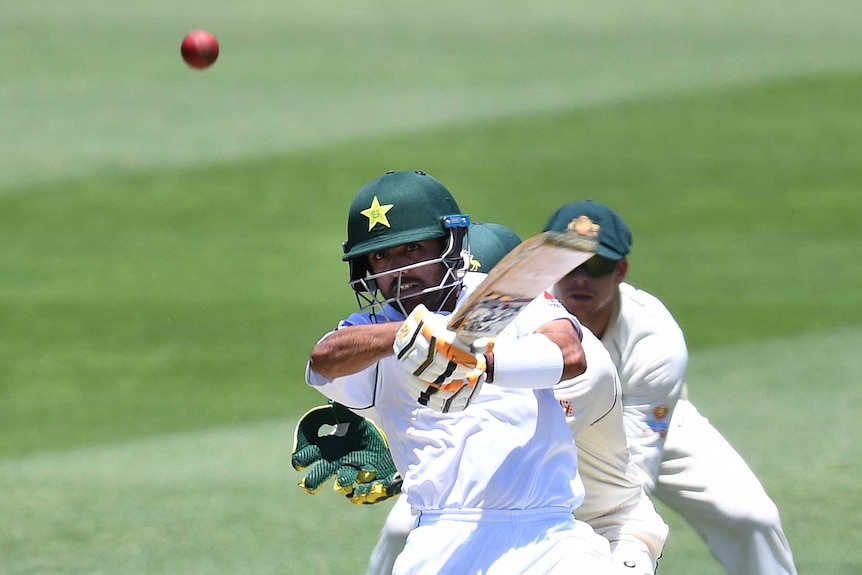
356,453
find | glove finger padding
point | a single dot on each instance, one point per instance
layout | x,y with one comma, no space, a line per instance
346,477
411,346
357,467
450,362
452,397
376,491
304,456
459,400
377,478
318,475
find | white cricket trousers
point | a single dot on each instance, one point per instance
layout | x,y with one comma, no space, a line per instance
544,541
709,484
393,536
629,556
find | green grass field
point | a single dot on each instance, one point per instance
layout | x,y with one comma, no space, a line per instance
170,245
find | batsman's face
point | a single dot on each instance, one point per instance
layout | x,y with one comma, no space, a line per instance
590,297
405,280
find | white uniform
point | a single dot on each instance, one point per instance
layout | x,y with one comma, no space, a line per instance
615,504
685,461
494,490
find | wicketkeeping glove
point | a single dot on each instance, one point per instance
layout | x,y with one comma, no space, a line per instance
431,352
356,453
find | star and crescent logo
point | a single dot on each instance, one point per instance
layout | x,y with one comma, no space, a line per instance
583,226
376,214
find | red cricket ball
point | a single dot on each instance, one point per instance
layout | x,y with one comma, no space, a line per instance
199,49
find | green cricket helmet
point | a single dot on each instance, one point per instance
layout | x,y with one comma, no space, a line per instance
488,244
400,208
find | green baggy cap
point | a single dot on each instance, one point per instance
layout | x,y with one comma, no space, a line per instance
594,220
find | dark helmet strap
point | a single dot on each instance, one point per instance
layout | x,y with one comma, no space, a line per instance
452,251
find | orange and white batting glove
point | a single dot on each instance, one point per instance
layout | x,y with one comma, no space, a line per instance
434,354
454,396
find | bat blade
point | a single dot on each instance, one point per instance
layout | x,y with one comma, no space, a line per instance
518,279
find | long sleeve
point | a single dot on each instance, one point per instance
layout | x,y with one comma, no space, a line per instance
649,350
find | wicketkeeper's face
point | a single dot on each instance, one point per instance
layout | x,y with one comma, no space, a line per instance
411,273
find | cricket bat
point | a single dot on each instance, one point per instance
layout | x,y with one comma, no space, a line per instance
518,279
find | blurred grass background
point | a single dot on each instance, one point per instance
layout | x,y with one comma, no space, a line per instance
170,244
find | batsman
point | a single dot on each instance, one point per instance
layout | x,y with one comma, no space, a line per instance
494,491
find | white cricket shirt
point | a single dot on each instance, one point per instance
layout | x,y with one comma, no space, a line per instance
647,346
510,449
616,505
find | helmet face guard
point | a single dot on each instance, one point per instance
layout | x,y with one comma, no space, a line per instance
396,209
455,262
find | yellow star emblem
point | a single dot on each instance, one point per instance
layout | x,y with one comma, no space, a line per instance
376,214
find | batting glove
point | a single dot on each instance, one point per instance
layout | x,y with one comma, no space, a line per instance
454,396
356,453
431,352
